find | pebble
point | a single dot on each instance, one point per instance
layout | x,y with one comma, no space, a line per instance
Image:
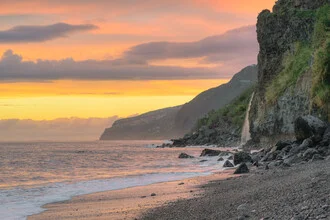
153,194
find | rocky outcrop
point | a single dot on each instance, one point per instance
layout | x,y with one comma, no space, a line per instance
287,38
288,153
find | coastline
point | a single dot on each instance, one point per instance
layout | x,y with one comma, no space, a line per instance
128,203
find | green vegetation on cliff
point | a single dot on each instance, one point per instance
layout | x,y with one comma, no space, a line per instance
321,66
313,55
295,65
234,113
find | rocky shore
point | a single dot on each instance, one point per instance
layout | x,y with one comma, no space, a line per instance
287,181
296,192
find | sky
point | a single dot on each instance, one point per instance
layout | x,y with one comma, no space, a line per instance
116,58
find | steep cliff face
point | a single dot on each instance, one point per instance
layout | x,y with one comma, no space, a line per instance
293,67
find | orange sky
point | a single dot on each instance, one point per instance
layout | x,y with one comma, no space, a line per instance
118,26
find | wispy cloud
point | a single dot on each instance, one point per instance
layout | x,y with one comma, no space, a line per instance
20,34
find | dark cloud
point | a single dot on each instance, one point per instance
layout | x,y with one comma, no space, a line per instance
20,34
13,68
229,52
221,48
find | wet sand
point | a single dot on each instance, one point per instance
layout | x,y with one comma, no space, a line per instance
128,203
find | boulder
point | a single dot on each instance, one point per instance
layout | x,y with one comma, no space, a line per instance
282,144
210,153
221,159
228,164
309,153
242,157
302,148
185,156
307,126
242,168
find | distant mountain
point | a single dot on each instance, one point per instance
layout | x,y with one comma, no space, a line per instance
153,125
214,99
176,121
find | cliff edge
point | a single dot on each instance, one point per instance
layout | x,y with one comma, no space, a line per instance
294,72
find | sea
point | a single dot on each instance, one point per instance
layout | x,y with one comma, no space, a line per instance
37,173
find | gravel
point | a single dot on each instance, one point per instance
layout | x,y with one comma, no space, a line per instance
297,192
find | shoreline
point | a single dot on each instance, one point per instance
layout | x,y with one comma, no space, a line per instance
128,203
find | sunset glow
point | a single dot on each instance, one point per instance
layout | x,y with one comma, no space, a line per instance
137,55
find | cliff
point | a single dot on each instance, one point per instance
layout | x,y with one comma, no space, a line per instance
294,72
153,125
222,127
175,122
215,98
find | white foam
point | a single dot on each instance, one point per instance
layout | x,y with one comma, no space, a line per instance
18,203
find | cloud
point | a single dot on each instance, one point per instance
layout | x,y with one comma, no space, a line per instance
12,67
229,52
23,34
216,48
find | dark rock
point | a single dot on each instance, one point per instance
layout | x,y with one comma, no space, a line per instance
180,184
267,167
230,158
202,161
221,159
228,164
282,144
293,159
303,147
210,153
256,163
317,157
153,194
309,153
326,137
242,168
285,164
307,126
242,157
255,158
185,156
